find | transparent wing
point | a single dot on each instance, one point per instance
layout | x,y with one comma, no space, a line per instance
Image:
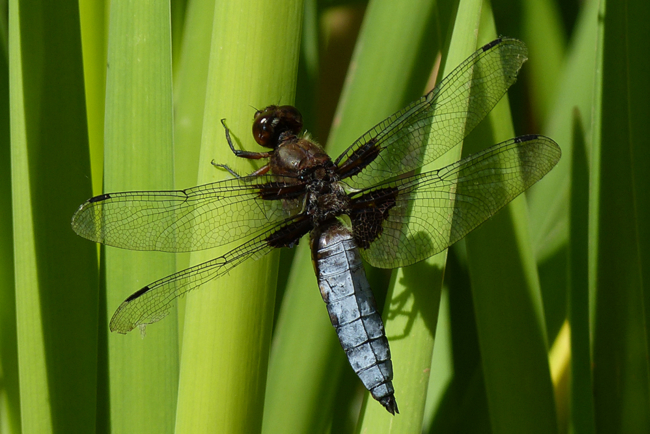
153,302
430,126
198,218
433,210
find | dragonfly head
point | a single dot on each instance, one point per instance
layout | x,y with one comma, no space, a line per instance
274,124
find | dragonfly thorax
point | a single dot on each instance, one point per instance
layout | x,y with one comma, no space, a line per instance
326,198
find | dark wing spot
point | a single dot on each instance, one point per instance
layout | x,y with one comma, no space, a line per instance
526,138
489,45
99,198
137,294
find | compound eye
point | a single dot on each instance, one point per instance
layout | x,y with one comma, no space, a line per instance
264,126
271,122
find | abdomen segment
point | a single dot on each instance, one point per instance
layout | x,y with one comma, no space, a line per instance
352,310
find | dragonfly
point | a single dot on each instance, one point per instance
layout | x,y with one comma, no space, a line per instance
368,203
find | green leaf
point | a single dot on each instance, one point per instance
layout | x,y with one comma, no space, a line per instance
93,38
190,81
507,301
9,384
617,204
548,200
582,398
138,155
228,323
55,271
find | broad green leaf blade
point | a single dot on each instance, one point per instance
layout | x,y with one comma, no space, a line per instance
507,301
548,200
463,407
9,391
581,392
228,322
138,155
441,358
306,357
93,38
639,129
55,271
178,9
190,80
189,91
620,352
305,360
544,37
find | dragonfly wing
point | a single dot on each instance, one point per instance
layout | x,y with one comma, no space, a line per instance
153,302
432,125
429,212
198,218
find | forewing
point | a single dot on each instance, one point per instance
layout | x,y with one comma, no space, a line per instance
432,125
433,210
153,302
198,218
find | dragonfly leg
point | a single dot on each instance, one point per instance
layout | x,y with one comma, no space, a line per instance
261,171
243,154
226,167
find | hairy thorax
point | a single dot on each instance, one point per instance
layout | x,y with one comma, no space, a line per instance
325,198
